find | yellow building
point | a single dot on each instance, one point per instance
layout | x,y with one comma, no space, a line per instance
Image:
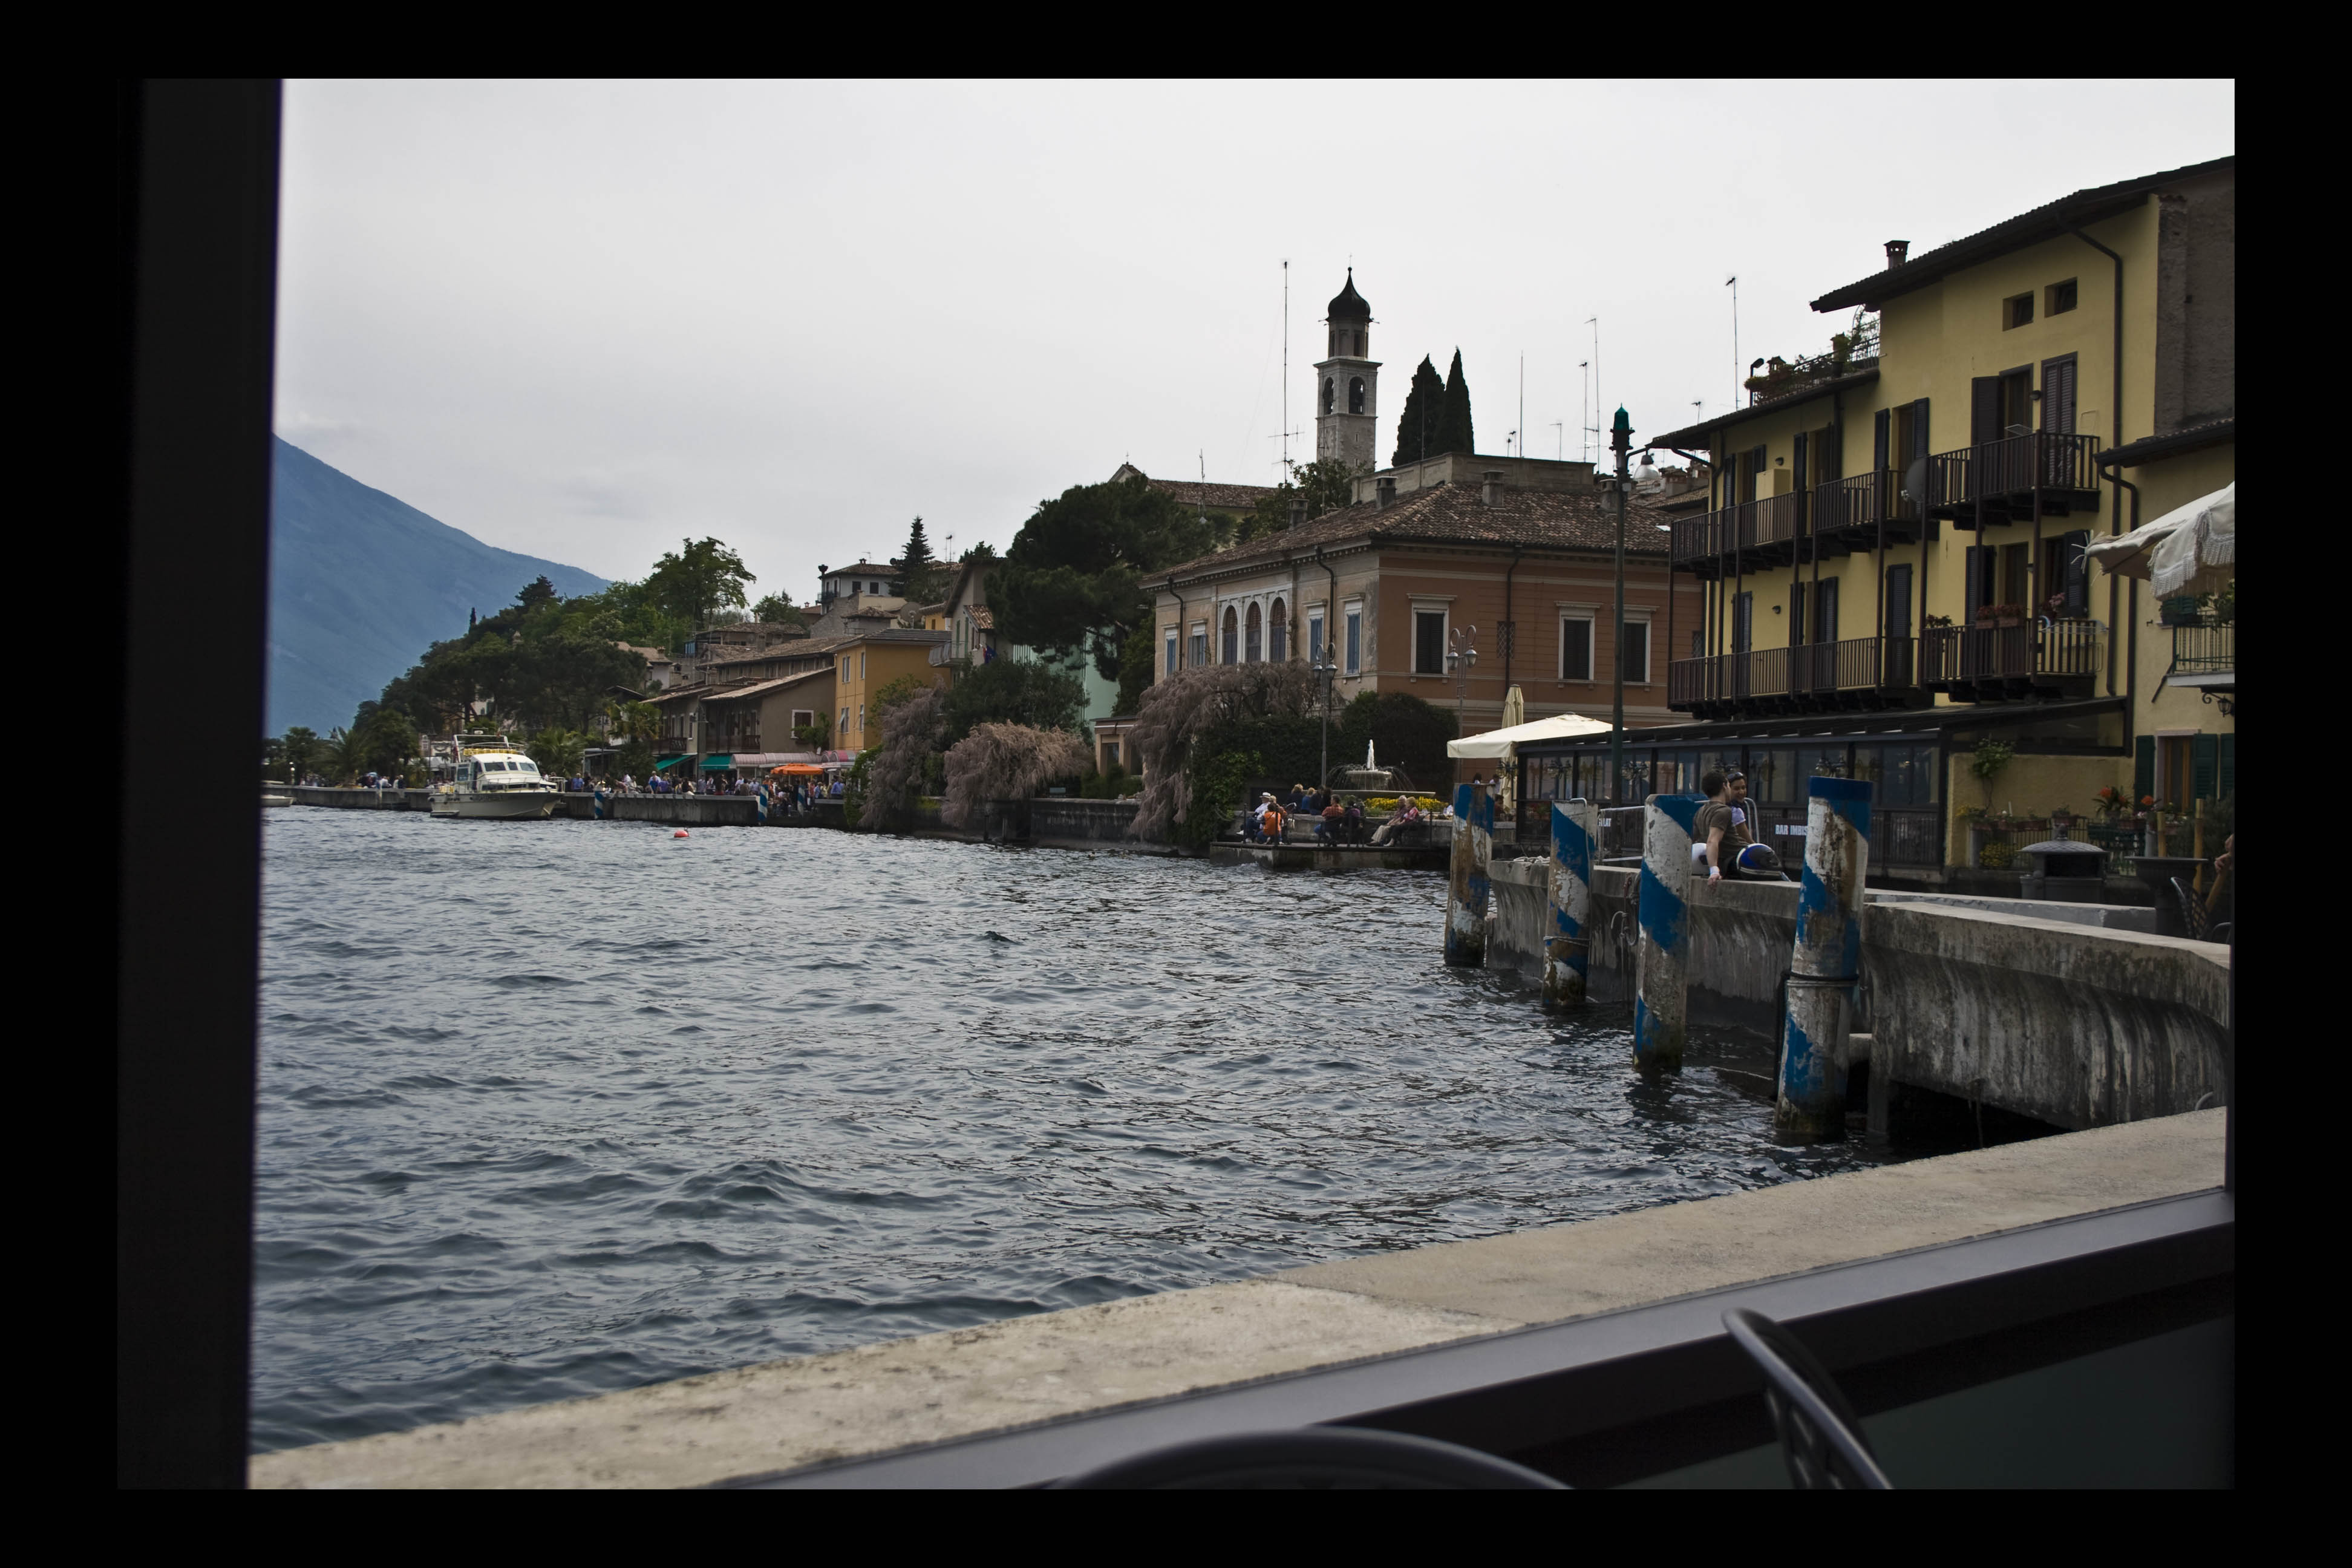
1893,553
864,665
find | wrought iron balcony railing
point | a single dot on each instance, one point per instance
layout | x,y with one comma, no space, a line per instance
1851,672
1986,663
2002,480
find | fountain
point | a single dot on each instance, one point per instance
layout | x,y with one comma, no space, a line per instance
1372,778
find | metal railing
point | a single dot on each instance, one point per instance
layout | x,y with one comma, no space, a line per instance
1865,502
1754,525
1764,676
1961,655
1996,472
2205,647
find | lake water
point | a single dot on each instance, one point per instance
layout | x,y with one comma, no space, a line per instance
559,1107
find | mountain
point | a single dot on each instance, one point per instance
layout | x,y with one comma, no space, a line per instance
361,583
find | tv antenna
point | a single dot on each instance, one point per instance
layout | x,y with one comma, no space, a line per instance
1559,438
1285,365
1732,283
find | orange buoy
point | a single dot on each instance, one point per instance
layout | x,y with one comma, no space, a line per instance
680,834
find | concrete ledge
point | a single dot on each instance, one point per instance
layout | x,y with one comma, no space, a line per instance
879,1398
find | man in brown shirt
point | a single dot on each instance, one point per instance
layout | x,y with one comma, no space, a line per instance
1722,822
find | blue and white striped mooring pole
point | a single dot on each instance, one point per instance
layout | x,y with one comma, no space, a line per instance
1827,962
1660,983
599,806
1467,887
1575,828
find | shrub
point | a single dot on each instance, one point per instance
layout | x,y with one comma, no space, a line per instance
1406,731
1006,761
1216,793
911,724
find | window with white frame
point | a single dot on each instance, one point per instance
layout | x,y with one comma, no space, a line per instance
1171,651
1636,663
1200,644
1428,639
1315,645
1576,647
1352,655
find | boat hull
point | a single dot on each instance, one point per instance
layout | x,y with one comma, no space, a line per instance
517,808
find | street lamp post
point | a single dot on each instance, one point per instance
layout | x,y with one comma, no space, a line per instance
1325,665
1621,441
1460,660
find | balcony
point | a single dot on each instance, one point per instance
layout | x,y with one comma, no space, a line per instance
2016,478
2205,655
1812,677
1994,664
1749,537
1865,511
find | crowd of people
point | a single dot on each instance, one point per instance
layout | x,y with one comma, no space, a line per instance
796,793
1335,820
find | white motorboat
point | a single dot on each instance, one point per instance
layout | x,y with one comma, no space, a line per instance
495,781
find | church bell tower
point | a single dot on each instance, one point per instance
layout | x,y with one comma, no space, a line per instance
1347,383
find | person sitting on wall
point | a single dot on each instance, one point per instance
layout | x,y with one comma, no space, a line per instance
1720,832
1328,822
1351,821
1270,825
1407,813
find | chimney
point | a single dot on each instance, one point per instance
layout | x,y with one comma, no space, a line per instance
1491,491
1297,511
1896,250
1384,491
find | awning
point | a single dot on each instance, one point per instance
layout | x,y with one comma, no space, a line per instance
661,763
758,762
717,764
797,770
1501,744
2191,549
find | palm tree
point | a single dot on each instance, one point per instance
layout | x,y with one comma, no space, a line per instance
339,755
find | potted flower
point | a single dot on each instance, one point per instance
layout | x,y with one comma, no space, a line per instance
2009,615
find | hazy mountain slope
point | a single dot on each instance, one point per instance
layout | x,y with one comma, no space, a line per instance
361,582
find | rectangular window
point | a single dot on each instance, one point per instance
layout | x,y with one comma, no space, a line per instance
1171,651
2017,311
1576,647
1316,647
861,664
861,718
1200,644
841,729
802,717
1429,642
1825,612
1637,653
2058,298
1111,754
1353,654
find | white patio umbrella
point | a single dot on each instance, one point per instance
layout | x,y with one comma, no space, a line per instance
2191,549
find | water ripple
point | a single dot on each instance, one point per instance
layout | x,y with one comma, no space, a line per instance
547,1110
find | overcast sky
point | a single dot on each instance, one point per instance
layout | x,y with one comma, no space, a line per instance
582,321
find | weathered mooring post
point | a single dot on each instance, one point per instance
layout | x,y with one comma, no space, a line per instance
1827,960
1468,888
1662,913
1575,826
597,805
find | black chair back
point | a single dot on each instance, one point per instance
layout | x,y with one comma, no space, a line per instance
1820,1438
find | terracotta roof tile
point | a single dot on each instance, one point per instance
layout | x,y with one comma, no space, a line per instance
1454,514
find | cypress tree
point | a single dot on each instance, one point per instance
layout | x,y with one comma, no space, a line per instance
1453,433
1423,416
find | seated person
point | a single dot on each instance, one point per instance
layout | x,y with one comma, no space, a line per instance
1351,821
1407,813
1270,825
1329,821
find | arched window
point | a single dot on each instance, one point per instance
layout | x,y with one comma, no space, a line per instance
1257,645
1278,638
1233,640
1355,395
1328,389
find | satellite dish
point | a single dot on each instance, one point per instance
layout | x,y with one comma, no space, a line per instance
1915,482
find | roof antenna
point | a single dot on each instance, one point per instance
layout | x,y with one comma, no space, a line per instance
1286,365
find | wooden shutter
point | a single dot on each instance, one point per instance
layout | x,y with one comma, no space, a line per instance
1878,439
2074,570
2204,760
1977,567
2225,776
1984,409
1743,623
1796,613
1898,602
2058,396
2143,768
1825,619
1757,462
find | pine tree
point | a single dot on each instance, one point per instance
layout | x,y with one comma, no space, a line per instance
914,563
1423,416
1453,433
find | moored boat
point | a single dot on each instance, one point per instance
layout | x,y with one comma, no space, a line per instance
495,781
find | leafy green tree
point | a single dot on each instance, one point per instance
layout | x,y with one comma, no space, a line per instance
817,735
1072,582
1013,692
1425,415
537,592
1135,667
1454,433
339,756
1325,484
777,609
701,578
301,752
